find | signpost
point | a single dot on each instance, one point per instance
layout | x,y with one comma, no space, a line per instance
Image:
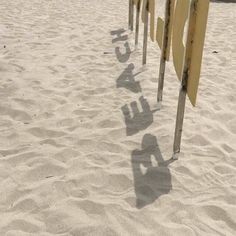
191,65
138,7
131,15
133,3
148,7
163,37
187,58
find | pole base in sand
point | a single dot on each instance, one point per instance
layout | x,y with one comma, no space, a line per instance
158,106
175,156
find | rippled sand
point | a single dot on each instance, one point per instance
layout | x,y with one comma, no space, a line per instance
76,156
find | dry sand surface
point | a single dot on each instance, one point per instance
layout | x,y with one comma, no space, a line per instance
72,159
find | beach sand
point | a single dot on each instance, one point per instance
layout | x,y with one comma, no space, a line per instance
72,159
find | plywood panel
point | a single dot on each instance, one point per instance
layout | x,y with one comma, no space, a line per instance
172,10
178,48
160,29
197,49
151,10
135,2
144,9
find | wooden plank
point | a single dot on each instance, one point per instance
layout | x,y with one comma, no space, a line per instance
138,6
192,64
178,47
163,40
149,5
151,9
184,75
162,24
145,38
160,31
198,39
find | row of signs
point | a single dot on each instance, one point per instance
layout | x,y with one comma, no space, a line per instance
179,15
185,20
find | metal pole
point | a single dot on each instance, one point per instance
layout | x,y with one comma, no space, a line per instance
184,81
137,22
145,36
163,53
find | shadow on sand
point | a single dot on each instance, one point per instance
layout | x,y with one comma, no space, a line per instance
135,119
152,177
122,57
127,80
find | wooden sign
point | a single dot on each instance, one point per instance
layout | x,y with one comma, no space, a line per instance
164,34
188,67
131,15
162,25
184,19
182,13
149,7
198,40
137,3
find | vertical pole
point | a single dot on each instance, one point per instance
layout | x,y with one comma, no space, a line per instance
163,53
145,36
180,116
129,16
184,81
132,16
137,22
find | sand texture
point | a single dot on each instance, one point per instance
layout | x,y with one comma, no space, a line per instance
83,150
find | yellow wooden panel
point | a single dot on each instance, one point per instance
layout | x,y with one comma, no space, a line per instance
172,9
151,10
135,2
159,32
178,48
197,49
144,9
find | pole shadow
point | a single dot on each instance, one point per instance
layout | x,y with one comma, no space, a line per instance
150,180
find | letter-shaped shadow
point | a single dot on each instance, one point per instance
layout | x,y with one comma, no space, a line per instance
153,181
123,57
126,80
119,35
140,120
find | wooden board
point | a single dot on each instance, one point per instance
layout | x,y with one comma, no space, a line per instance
178,47
160,30
144,9
172,8
135,2
197,49
151,10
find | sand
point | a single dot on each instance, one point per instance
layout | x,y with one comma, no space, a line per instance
73,162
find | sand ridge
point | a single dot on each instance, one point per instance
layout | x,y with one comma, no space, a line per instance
73,162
